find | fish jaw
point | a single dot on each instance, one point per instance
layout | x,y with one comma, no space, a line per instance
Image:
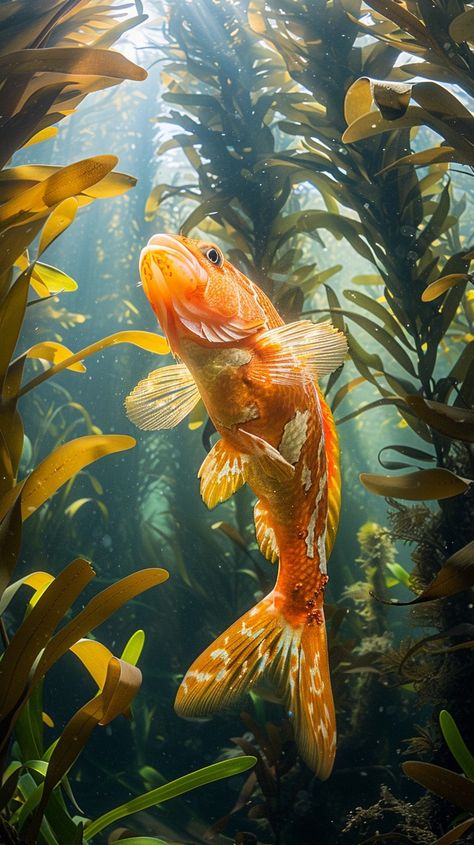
170,274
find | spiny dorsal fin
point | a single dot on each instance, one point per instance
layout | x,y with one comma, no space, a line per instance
265,534
222,472
288,352
162,399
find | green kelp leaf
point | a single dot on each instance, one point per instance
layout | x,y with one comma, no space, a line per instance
455,788
367,279
462,27
455,575
456,744
424,485
70,60
35,631
378,310
134,647
144,340
61,465
436,155
452,421
121,686
443,284
401,575
454,834
213,206
201,777
142,840
58,221
96,611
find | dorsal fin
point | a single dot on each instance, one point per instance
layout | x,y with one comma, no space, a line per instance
331,442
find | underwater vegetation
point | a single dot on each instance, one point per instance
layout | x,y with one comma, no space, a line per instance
292,134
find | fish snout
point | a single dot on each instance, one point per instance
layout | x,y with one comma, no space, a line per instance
169,270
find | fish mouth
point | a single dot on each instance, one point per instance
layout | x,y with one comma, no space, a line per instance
168,270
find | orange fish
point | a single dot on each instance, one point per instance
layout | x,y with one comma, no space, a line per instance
258,378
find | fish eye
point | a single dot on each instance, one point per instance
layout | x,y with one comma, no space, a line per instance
214,255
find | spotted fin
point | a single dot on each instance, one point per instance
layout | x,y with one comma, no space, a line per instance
331,444
163,399
288,352
263,646
265,534
222,472
270,460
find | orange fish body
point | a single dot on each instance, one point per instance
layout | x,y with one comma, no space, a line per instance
257,378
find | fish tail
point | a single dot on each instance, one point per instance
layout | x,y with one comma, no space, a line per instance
264,646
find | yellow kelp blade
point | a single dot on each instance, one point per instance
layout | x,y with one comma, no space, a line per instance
43,135
144,340
443,284
59,466
54,352
58,221
66,182
95,657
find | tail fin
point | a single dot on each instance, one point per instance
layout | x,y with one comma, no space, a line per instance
262,643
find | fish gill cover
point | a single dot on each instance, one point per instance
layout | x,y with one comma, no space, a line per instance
305,139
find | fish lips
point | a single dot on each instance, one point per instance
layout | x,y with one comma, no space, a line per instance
169,271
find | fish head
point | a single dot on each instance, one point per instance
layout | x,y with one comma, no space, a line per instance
196,293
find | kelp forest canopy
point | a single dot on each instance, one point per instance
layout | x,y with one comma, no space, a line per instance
327,147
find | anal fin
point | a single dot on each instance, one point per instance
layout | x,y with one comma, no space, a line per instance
222,472
265,534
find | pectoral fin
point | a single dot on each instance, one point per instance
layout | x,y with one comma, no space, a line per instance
222,472
288,352
163,398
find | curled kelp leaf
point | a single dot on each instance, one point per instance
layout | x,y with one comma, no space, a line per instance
456,744
455,575
408,451
426,484
453,421
455,788
49,350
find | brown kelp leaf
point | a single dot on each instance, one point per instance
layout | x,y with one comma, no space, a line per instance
455,575
10,541
97,611
65,182
453,421
35,631
54,352
66,60
59,466
425,484
121,686
455,788
11,318
58,221
443,284
38,581
462,27
369,125
454,834
231,532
